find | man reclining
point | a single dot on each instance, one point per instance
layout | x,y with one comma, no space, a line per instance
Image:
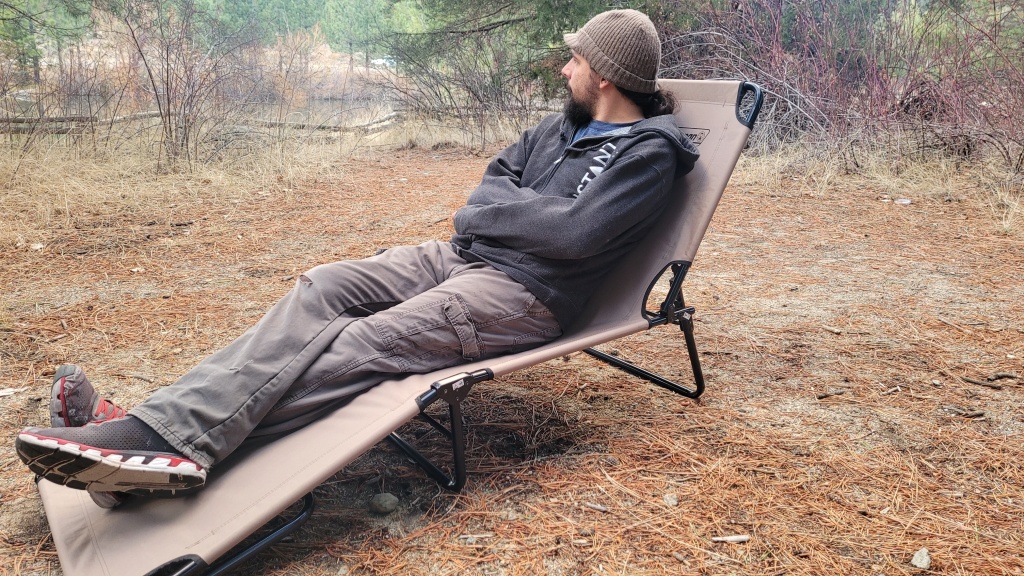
554,213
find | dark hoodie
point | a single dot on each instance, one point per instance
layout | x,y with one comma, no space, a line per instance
557,216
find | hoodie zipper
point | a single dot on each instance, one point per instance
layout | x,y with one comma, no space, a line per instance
565,153
572,147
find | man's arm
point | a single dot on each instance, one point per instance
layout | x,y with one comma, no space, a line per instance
502,181
624,195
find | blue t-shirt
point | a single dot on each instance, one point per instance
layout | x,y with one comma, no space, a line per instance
598,128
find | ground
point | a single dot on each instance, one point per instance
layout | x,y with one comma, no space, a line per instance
864,360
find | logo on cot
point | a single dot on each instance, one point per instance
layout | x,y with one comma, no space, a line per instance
601,158
696,135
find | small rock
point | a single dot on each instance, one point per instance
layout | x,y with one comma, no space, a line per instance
671,499
385,503
921,559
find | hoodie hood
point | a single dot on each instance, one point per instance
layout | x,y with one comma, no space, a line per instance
664,125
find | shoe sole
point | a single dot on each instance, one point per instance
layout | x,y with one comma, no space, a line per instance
97,470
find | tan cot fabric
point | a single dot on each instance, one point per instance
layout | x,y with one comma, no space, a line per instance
256,484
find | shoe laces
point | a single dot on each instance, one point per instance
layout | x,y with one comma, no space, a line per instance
107,410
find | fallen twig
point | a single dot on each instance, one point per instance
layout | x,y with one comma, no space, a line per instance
991,385
831,393
736,539
957,326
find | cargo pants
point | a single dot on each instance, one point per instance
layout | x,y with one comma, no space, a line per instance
317,345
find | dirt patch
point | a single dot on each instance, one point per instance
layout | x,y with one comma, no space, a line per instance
863,357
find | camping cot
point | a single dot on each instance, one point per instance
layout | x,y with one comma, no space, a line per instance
193,534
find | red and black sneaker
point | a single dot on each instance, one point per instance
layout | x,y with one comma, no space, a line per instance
122,455
74,402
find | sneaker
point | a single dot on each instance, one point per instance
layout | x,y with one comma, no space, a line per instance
121,455
74,402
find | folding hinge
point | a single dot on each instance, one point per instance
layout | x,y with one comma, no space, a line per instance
453,389
684,317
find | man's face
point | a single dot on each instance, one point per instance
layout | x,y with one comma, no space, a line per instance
583,89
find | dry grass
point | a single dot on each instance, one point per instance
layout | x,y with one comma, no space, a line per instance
848,341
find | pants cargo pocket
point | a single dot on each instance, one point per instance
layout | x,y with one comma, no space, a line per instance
436,335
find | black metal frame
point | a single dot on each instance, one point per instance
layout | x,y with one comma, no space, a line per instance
452,390
673,310
194,565
749,117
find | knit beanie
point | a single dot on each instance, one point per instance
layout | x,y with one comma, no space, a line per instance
623,47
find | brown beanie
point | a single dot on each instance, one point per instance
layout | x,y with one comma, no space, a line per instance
623,47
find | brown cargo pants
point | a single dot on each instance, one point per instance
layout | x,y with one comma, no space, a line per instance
317,345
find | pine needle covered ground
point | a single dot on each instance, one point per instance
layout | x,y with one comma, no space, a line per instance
864,358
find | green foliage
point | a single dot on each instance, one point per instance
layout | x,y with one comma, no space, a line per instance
828,64
473,56
25,23
354,25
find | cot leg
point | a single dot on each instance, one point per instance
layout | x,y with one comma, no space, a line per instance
685,320
452,390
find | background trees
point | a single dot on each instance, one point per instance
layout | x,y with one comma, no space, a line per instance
943,75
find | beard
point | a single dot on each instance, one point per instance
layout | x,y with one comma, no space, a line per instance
580,109
579,113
